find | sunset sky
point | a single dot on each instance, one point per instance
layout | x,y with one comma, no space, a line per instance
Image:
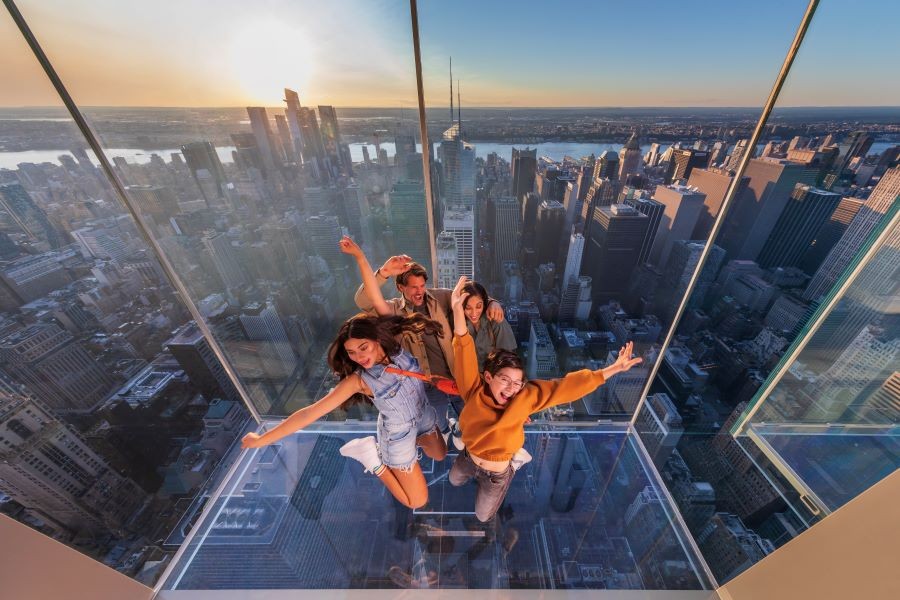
359,53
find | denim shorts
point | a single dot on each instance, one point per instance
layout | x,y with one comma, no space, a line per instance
397,440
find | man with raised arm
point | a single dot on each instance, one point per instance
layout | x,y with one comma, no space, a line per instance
435,354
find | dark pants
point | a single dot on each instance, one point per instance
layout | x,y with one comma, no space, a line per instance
492,487
441,402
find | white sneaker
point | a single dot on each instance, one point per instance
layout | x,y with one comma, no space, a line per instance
520,459
457,436
364,450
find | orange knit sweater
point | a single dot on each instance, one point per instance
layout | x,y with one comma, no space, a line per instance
492,432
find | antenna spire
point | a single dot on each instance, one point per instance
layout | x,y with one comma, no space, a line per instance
459,109
451,90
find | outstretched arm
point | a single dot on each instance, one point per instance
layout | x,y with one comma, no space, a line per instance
306,415
579,383
370,284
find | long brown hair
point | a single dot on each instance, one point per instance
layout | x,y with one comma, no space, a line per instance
384,331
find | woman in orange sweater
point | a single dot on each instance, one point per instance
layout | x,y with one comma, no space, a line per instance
499,402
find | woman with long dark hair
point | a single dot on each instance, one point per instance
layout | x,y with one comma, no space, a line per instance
361,353
489,336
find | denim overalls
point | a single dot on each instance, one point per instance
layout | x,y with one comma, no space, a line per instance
403,413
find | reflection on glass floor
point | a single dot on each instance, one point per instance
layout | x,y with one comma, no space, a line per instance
835,463
584,514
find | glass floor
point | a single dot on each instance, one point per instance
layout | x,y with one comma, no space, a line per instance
586,513
835,463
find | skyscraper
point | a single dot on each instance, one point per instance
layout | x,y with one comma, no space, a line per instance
458,162
685,160
247,154
646,528
156,201
573,257
325,233
447,257
523,167
529,205
754,213
855,145
737,154
677,273
269,147
829,234
880,407
55,367
878,203
227,260
551,216
460,224
103,243
794,233
205,166
683,206
409,222
654,210
714,183
285,139
506,231
331,141
194,355
541,354
261,323
612,249
730,547
27,215
630,159
292,99
49,469
313,147
607,166
575,302
660,427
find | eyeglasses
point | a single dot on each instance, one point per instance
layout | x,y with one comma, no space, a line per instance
507,382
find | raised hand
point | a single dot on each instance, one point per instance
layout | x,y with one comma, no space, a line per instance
625,361
348,246
458,296
457,300
396,265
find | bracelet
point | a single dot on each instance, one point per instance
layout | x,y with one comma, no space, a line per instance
378,272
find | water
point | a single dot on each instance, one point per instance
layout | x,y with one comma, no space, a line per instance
553,150
10,160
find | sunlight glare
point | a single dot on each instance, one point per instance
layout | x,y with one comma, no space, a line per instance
269,55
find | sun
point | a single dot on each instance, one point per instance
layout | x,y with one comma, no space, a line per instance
269,55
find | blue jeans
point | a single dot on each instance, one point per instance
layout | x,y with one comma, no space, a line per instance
397,439
440,401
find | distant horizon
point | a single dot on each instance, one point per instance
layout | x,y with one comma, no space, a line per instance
483,107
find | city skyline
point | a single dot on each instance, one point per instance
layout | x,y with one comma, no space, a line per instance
133,369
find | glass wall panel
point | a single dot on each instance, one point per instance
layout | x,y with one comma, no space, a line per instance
818,184
571,206
565,142
223,127
114,414
831,420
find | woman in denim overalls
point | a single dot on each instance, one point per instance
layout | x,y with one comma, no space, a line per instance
360,354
